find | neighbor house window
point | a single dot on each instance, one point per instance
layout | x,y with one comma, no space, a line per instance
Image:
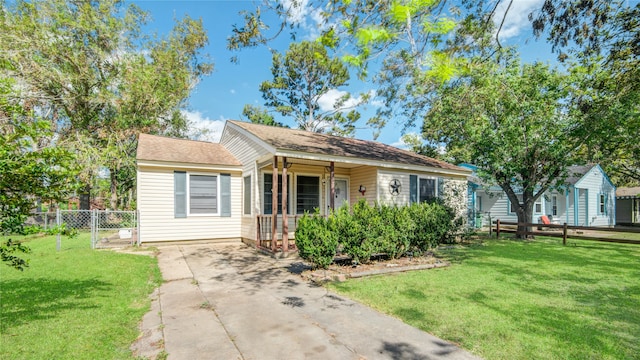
307,194
247,195
268,199
427,189
537,206
514,206
203,194
554,205
601,204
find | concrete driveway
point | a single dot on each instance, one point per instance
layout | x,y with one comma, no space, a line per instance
226,301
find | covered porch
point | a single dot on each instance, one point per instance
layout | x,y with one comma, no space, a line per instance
311,185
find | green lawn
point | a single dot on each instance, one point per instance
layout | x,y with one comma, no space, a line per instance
77,303
511,299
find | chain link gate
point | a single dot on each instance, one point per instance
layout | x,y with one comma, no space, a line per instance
113,228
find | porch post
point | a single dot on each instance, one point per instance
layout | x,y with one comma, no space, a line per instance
285,221
332,182
274,205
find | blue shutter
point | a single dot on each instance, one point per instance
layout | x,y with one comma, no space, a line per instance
180,194
225,195
413,189
440,186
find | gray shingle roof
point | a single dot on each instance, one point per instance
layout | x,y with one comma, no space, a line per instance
160,148
315,143
628,192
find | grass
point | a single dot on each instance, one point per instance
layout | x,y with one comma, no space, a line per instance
77,303
508,299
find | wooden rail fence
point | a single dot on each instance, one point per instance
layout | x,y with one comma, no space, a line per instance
564,234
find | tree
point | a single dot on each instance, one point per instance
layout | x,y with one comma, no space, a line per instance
85,66
301,79
601,40
407,38
512,121
29,171
259,115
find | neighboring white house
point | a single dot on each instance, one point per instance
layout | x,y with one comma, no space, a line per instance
588,199
628,206
191,190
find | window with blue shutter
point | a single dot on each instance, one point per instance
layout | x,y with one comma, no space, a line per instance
180,194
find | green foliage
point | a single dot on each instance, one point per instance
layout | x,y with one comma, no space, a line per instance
259,115
512,121
7,251
88,70
315,240
368,230
300,78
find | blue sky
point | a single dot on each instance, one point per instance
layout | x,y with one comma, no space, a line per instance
223,94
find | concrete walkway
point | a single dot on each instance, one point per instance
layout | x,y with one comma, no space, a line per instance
226,301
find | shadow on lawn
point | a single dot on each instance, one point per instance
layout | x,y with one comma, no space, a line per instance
27,300
600,281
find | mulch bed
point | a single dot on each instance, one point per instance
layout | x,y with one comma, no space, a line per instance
343,269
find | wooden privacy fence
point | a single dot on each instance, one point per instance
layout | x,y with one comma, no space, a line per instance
544,230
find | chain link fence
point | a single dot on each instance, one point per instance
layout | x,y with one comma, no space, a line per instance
108,229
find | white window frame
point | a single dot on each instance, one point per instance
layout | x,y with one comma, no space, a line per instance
536,203
554,205
509,204
602,203
217,175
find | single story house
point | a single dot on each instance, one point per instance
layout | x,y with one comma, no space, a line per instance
628,206
587,199
230,191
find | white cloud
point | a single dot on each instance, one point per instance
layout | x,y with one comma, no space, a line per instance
517,17
203,128
328,100
233,91
298,10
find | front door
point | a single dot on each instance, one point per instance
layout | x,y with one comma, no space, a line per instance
342,193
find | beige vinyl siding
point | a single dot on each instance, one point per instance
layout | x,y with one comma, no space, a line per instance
157,220
366,176
384,194
247,152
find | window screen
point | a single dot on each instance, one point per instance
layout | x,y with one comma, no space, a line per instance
203,194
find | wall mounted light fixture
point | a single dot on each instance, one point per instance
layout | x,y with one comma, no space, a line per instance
362,189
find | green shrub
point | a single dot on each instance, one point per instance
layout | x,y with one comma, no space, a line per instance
366,230
315,240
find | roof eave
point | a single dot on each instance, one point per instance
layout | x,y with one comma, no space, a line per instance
368,162
185,165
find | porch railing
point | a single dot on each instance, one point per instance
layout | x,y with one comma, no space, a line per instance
264,231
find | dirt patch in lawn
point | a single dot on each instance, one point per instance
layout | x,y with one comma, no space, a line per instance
343,269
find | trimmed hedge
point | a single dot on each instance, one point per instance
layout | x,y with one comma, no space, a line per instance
367,230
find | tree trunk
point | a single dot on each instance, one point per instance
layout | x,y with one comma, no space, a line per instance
113,175
525,215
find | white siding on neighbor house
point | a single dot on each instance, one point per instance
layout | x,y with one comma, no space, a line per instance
157,219
596,183
497,205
